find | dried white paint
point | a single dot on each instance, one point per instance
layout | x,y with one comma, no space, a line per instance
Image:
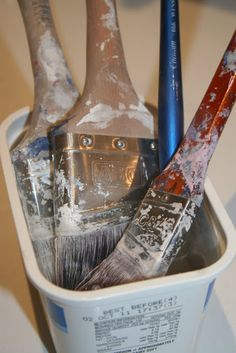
109,18
69,220
212,96
193,164
102,46
63,99
101,116
145,211
152,193
177,208
59,98
101,191
113,78
104,43
51,57
225,113
230,61
121,106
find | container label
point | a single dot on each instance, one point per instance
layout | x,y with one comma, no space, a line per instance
140,327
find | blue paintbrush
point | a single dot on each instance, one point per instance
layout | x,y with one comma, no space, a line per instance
170,100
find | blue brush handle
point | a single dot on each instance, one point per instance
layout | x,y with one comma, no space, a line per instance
170,100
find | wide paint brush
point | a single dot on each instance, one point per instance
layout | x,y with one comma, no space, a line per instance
104,154
161,224
54,95
170,98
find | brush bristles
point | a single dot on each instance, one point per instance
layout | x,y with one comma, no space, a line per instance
118,268
45,255
78,255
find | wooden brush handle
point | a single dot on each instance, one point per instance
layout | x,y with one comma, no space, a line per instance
107,77
185,174
109,104
37,20
105,56
54,90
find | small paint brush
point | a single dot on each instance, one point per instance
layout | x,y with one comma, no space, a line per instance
170,98
161,224
104,154
54,95
170,94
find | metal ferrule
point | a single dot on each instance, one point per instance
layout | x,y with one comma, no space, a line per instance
34,182
158,230
95,172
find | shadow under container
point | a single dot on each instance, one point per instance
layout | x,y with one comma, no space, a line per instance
158,315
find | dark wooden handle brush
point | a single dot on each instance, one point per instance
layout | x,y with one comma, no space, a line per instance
165,215
103,155
54,95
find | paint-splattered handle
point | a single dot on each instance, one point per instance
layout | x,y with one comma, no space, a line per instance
54,90
104,45
38,19
219,98
186,173
109,104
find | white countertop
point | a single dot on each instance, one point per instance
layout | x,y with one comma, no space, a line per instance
206,28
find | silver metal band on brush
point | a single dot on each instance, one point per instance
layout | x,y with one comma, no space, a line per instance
95,172
158,230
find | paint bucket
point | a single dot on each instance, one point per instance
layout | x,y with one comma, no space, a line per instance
148,316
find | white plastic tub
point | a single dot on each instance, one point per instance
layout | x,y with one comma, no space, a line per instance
159,315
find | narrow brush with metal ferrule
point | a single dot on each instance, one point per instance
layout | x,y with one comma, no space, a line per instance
54,95
170,98
104,154
161,224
